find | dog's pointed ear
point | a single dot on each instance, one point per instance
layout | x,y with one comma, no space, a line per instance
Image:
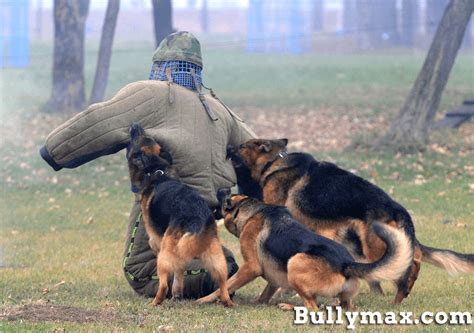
136,131
283,142
265,146
166,156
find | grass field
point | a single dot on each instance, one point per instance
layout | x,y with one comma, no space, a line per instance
62,234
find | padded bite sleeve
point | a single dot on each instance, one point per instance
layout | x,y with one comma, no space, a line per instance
101,129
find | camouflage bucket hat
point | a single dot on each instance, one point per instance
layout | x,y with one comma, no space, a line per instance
181,45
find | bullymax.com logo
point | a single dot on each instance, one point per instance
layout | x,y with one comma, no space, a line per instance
335,315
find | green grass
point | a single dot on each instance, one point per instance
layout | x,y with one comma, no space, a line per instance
47,235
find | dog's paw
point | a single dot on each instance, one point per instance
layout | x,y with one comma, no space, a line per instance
156,302
205,300
228,304
286,306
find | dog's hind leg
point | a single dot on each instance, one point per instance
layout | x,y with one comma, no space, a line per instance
376,288
244,275
164,268
267,294
308,299
407,281
178,284
214,260
350,288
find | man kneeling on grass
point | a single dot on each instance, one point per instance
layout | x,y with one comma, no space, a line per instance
195,128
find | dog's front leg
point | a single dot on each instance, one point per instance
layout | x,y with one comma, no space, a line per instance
244,275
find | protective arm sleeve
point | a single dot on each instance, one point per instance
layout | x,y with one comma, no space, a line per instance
101,129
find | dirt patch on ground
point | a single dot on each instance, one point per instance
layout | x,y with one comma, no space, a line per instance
59,313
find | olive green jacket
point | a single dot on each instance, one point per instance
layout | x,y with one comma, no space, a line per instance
173,115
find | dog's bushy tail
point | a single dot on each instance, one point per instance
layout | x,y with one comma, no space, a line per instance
397,258
453,262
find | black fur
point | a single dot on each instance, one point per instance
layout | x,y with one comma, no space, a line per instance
359,269
174,204
288,237
247,185
352,237
333,193
177,206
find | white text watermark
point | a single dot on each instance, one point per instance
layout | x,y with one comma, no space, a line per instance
336,315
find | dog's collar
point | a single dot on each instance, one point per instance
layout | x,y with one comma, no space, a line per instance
150,178
268,164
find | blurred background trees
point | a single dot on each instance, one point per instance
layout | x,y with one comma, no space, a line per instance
105,52
162,19
309,27
410,130
68,60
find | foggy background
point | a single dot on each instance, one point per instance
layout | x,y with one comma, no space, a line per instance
259,25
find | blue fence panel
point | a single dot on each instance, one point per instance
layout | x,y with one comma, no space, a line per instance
14,34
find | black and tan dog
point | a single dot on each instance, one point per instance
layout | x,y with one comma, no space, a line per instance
178,221
288,255
341,206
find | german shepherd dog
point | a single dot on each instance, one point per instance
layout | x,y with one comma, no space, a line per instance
289,255
178,221
341,206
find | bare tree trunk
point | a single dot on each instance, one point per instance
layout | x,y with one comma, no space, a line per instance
467,41
409,131
410,21
162,19
105,51
68,63
204,17
434,12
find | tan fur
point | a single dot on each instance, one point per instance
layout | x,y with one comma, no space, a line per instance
451,263
308,275
250,269
280,184
401,260
154,238
151,150
175,249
